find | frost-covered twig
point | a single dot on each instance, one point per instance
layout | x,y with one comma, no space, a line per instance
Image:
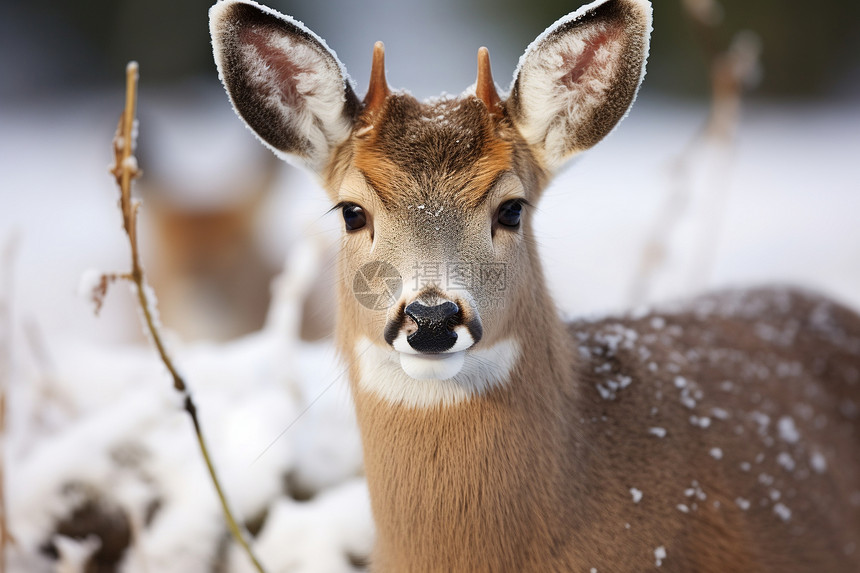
125,169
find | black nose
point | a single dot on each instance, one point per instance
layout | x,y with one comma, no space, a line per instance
435,326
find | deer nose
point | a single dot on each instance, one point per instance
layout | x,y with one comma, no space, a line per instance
436,325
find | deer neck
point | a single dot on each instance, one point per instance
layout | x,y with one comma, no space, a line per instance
463,484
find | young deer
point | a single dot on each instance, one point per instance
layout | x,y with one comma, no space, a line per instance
718,438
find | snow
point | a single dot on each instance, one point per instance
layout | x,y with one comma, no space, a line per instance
317,536
108,418
785,461
659,555
782,511
657,431
716,453
75,553
773,231
90,280
787,430
818,462
130,163
97,396
719,413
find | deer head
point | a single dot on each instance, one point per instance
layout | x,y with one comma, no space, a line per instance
440,285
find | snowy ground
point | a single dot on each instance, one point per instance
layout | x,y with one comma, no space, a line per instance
92,414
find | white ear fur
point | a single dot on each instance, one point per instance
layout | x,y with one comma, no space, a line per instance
578,79
283,81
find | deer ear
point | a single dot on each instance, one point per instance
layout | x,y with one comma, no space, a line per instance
578,79
283,81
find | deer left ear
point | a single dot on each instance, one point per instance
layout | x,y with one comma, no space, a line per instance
578,79
283,80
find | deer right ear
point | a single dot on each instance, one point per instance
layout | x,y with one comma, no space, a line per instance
283,81
578,79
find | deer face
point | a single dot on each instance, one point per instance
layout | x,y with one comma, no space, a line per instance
437,263
432,194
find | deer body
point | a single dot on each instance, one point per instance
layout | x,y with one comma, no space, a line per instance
746,461
718,438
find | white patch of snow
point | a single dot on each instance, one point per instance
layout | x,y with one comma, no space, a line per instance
323,533
657,431
787,430
637,494
786,461
818,462
659,555
89,282
719,413
782,511
75,554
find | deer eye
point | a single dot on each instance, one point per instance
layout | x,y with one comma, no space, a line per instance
510,213
354,217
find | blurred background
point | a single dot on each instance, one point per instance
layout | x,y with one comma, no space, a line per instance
784,174
74,47
739,165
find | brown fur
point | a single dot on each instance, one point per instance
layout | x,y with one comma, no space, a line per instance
209,261
403,149
537,476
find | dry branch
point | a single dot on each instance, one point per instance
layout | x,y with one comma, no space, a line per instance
125,170
731,71
6,329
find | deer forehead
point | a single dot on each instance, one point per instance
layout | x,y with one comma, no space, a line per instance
449,153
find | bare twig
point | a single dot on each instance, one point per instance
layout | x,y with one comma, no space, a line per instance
731,71
6,328
125,170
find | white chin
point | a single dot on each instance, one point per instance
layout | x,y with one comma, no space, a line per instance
432,366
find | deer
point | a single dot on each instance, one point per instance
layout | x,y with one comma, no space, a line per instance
716,435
